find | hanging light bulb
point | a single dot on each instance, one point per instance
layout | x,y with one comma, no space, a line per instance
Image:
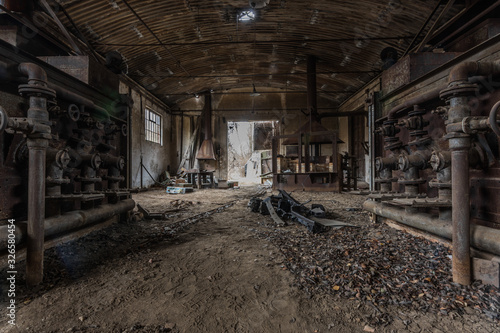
254,93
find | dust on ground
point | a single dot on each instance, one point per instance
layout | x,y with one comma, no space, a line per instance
231,270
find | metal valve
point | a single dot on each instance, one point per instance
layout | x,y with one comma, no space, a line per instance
4,119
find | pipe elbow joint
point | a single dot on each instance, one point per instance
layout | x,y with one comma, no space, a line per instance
462,71
33,72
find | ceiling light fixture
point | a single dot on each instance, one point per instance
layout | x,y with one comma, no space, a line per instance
246,15
254,93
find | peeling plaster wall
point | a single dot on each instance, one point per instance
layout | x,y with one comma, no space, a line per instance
155,157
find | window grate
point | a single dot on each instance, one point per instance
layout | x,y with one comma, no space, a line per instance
153,127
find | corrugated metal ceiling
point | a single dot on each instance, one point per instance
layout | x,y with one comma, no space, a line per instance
179,48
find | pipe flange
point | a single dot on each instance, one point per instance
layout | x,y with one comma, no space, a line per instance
96,161
437,184
420,142
114,178
124,130
440,160
386,163
58,181
458,89
417,111
418,133
394,146
391,139
390,122
62,158
30,89
386,180
419,181
88,179
456,135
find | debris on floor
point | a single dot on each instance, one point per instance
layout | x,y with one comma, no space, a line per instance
284,206
382,267
179,190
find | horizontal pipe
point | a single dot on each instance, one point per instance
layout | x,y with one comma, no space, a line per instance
482,238
70,221
461,72
75,98
422,98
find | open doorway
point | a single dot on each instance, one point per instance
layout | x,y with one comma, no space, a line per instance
249,150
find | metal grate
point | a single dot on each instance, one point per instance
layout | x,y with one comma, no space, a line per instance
153,127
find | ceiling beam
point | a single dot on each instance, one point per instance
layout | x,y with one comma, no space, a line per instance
178,62
263,42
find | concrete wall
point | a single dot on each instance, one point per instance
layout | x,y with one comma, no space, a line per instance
156,158
242,107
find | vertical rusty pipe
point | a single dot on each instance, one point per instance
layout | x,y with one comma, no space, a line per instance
36,211
460,216
37,91
460,144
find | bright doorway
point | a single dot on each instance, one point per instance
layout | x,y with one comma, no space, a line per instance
249,150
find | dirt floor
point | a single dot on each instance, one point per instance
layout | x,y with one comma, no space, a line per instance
231,270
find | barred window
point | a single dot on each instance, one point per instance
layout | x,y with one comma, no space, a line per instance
153,127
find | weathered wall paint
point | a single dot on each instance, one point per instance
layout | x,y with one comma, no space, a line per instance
228,108
156,158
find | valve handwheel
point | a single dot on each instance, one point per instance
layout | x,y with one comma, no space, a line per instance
493,118
74,112
4,119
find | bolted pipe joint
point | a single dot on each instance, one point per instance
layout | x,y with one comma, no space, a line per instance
93,161
382,163
59,158
418,159
109,161
388,128
440,160
57,162
469,125
36,74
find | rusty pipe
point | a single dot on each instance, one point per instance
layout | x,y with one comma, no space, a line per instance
464,70
70,221
36,210
482,238
36,74
75,98
37,143
459,73
422,98
461,216
457,93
